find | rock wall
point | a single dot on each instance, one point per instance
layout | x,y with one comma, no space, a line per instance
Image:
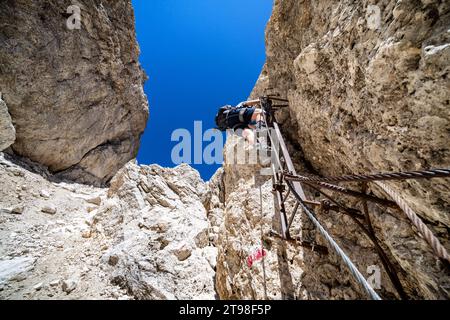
370,99
302,268
364,97
161,249
7,131
146,237
245,230
75,96
77,103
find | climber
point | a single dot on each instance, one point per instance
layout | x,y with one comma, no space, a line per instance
245,116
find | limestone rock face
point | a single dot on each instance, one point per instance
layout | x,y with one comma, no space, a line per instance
367,93
160,233
147,238
75,96
286,269
7,131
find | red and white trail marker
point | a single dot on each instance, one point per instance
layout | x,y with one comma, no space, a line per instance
256,256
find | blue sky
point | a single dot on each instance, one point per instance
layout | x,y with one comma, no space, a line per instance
199,55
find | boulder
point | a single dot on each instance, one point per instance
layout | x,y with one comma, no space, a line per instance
75,95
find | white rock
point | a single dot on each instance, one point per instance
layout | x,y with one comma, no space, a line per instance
49,208
210,253
54,283
97,201
158,236
17,210
91,209
16,269
69,285
44,194
183,252
38,286
148,267
86,233
7,130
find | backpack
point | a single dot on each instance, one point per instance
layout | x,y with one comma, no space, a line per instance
230,117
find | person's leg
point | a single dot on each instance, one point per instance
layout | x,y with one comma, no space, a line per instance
257,119
249,135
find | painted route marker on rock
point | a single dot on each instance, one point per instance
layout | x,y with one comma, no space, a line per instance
256,256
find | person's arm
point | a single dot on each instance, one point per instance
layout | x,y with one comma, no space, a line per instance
251,102
248,103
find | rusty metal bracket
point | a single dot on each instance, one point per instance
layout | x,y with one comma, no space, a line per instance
305,244
280,187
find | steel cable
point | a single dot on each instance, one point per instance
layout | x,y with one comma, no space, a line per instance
353,270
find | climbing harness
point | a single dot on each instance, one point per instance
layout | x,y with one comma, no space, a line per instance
287,182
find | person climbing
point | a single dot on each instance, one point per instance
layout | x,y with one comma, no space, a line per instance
245,117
